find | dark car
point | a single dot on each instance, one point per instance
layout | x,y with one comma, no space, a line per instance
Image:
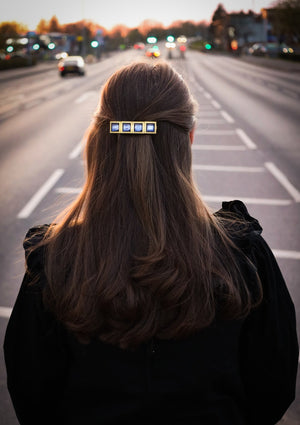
270,49
71,65
153,52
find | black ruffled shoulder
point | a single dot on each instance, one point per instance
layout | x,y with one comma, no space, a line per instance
242,228
34,252
237,210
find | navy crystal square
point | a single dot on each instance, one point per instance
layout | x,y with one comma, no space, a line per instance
150,128
115,127
126,127
138,127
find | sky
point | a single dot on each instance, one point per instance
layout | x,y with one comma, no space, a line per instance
112,12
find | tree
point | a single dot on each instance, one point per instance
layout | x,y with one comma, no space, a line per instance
218,25
286,19
134,36
42,27
12,30
54,25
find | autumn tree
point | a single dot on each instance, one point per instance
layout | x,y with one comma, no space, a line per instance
218,25
11,29
42,27
54,25
134,36
286,20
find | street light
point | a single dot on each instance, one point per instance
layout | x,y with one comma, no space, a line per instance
151,40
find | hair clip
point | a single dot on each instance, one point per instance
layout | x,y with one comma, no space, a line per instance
133,127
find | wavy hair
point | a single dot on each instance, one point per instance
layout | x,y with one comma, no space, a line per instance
138,254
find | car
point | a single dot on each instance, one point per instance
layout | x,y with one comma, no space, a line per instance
153,52
71,65
139,46
270,49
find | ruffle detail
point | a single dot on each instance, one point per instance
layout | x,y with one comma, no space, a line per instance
242,228
34,254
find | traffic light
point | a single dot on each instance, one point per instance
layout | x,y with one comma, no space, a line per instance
234,45
94,43
170,38
207,46
151,40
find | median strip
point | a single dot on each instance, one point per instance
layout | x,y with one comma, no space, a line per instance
40,194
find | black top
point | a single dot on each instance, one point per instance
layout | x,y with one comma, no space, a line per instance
232,373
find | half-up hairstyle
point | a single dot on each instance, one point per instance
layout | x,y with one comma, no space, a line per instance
138,254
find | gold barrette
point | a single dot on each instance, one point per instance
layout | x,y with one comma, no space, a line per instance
133,127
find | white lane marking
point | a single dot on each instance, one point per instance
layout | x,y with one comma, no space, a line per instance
215,132
282,179
208,113
68,190
228,168
40,194
290,93
210,121
216,104
218,147
5,312
246,139
84,96
32,103
255,201
291,255
227,117
207,95
76,151
207,198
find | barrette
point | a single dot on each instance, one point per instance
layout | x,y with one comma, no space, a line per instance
133,127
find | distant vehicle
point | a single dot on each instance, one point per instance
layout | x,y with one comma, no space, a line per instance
153,52
71,65
270,49
139,46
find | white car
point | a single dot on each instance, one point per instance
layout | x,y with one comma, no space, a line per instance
71,65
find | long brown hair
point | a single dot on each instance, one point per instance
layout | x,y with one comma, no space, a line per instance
138,254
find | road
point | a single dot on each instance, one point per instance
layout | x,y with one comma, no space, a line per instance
246,147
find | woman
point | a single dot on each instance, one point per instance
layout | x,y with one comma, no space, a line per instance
139,305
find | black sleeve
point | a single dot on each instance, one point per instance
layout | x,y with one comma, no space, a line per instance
269,346
34,352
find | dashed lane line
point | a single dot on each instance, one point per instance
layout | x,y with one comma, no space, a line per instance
254,201
206,198
211,121
283,180
228,168
207,95
215,132
246,139
76,151
40,194
85,96
216,104
5,312
218,147
227,117
291,255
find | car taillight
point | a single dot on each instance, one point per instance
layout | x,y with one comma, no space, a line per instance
61,67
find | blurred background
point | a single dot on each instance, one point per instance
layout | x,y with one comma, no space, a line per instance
241,60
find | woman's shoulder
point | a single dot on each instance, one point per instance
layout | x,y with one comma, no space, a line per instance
34,249
237,213
241,227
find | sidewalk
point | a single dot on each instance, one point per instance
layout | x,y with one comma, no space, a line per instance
11,74
273,63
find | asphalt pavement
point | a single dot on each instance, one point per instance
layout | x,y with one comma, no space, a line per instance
242,111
